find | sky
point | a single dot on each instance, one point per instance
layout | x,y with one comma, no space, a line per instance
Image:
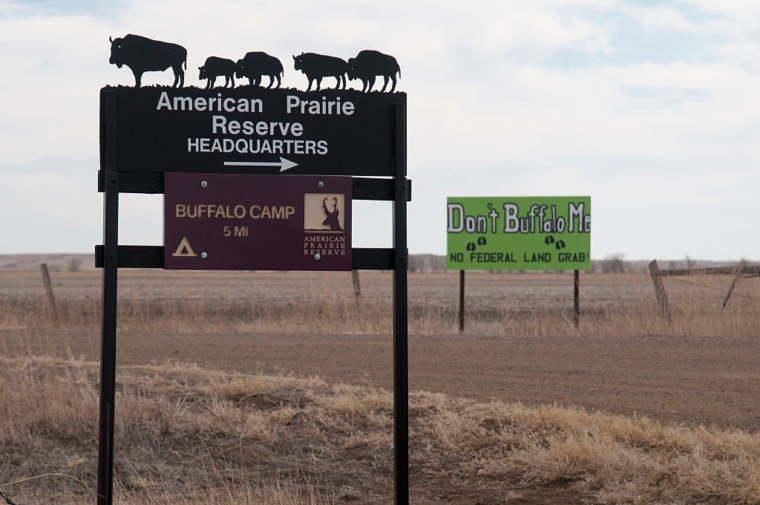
648,107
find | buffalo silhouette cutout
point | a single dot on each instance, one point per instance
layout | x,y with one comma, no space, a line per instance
318,66
255,65
217,67
142,55
369,64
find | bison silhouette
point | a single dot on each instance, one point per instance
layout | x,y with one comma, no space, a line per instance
318,66
255,65
369,64
216,67
142,55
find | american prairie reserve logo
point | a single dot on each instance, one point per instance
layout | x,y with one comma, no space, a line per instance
324,224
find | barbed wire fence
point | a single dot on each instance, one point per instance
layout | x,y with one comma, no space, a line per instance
7,498
737,272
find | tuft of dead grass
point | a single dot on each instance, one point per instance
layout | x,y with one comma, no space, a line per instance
190,435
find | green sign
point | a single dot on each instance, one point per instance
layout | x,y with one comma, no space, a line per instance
519,233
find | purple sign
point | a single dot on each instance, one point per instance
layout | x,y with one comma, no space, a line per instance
256,222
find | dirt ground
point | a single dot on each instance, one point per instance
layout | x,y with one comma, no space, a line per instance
674,378
679,378
690,380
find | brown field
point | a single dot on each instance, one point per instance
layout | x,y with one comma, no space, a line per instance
284,378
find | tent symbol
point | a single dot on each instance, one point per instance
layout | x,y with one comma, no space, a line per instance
184,249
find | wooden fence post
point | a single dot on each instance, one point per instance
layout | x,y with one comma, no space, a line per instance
737,276
357,288
659,289
49,291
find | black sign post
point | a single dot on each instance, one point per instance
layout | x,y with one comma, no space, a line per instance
400,313
110,263
139,146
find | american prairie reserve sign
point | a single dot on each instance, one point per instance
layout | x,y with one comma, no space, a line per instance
519,233
252,130
257,222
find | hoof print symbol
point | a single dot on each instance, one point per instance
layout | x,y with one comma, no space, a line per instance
559,244
471,245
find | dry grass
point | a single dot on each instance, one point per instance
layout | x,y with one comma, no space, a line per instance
189,435
496,304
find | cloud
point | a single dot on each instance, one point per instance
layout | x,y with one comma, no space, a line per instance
54,70
504,97
660,17
737,23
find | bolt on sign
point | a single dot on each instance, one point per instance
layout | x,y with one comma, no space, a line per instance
257,222
519,233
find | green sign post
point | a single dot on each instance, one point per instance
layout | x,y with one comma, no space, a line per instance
519,233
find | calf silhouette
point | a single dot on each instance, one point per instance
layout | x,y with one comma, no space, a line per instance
142,55
215,67
369,64
317,66
255,65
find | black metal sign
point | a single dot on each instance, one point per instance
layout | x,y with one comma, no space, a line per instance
254,130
